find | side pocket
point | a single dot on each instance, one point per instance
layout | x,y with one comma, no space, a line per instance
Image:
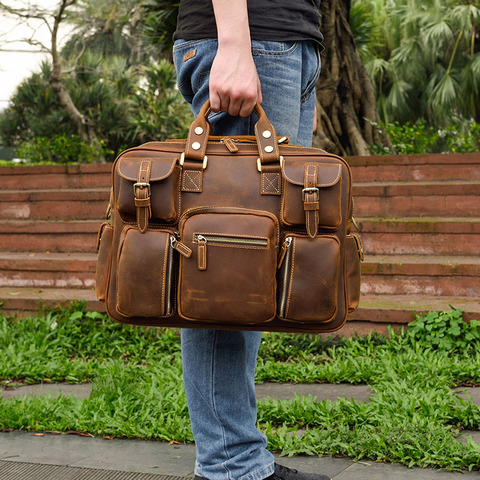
308,278
353,259
104,248
145,273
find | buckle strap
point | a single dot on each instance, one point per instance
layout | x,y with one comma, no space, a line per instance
142,192
310,197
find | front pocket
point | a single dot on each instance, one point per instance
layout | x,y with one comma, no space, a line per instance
145,273
308,278
230,276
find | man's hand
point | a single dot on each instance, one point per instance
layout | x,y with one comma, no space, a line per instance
234,84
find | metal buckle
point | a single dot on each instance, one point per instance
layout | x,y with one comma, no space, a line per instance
310,190
182,160
141,185
259,163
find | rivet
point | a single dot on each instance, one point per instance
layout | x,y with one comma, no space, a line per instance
266,134
196,145
268,149
198,130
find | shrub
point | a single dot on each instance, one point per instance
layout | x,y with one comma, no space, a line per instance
419,138
61,148
445,331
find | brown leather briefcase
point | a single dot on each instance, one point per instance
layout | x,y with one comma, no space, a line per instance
246,233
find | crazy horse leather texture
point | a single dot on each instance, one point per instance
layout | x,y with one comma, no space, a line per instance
245,233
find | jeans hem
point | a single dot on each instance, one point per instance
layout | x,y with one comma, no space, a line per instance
259,474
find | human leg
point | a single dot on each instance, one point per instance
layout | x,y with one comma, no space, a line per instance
219,378
219,366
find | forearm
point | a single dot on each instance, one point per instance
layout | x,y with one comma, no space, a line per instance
234,84
231,17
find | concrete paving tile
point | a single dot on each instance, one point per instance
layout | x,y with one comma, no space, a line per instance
471,392
475,434
48,448
282,391
323,391
80,391
389,471
118,454
141,456
327,465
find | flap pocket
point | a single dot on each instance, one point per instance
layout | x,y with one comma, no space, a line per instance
230,276
159,186
312,194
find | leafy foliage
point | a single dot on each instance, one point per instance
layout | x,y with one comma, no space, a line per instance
411,138
423,57
445,331
61,149
113,78
413,416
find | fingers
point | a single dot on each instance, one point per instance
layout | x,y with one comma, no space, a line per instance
234,86
234,103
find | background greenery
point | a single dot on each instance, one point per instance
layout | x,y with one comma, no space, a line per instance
413,417
423,58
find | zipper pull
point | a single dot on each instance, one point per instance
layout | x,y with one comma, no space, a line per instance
285,246
230,144
180,247
201,252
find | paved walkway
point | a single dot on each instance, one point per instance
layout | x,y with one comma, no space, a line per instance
29,456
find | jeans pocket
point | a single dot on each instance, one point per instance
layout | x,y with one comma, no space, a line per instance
193,60
312,69
271,48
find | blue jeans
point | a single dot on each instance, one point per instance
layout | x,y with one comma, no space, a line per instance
219,365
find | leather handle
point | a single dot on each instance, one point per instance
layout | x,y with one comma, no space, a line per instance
200,130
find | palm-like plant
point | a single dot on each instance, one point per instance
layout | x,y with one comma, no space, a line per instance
423,56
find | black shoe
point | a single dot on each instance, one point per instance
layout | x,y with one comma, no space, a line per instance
285,473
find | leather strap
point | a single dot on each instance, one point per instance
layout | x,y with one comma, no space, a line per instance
142,195
192,177
271,177
311,203
266,138
200,130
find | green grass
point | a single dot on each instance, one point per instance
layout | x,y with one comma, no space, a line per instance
414,416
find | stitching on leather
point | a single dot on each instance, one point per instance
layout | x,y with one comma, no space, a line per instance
167,245
271,186
290,286
194,178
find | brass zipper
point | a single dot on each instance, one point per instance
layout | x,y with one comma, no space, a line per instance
232,240
285,257
202,239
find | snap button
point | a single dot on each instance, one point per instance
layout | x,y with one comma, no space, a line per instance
268,149
198,130
196,145
266,134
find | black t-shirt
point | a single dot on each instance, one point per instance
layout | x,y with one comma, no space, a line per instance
275,20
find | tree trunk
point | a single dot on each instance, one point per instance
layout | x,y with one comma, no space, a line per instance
84,125
346,102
